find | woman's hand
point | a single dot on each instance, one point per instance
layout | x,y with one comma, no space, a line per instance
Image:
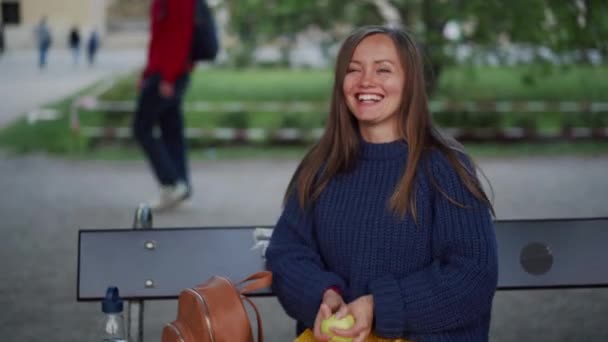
362,310
166,89
332,303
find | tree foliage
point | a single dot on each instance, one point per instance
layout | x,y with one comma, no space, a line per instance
564,26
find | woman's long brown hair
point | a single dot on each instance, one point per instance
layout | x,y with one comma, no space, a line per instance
336,151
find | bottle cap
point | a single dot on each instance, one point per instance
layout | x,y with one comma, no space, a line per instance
112,303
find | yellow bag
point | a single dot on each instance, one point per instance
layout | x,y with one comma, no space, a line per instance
308,336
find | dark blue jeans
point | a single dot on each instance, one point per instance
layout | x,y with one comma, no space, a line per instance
43,50
167,154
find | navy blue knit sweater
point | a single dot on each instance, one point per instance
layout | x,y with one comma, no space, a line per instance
433,281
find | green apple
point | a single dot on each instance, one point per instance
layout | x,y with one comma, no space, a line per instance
342,323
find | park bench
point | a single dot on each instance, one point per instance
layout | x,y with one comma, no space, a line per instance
158,263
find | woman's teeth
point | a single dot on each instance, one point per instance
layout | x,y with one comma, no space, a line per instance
369,97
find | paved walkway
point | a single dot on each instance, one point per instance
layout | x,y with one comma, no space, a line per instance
23,87
44,201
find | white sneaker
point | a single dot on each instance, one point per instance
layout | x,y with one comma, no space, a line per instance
170,196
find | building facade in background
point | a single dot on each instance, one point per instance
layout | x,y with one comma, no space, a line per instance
20,17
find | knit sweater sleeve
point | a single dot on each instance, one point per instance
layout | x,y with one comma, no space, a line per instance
458,287
299,274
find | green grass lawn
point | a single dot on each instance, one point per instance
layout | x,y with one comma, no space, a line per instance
482,83
505,83
477,150
244,85
462,83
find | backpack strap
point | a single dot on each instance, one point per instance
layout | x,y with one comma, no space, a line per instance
257,281
257,317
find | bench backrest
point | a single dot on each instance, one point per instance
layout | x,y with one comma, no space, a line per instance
158,263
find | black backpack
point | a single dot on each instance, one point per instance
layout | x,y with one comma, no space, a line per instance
205,43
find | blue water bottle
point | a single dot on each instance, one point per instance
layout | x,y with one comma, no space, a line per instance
114,321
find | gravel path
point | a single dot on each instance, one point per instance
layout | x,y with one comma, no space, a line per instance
44,201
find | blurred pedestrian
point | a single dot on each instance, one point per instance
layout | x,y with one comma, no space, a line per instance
74,43
92,46
1,38
163,84
43,41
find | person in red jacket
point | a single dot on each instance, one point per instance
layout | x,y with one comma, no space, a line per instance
163,84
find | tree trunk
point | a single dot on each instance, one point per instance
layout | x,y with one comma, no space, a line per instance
420,19
432,71
434,43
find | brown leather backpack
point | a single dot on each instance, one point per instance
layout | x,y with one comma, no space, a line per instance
214,311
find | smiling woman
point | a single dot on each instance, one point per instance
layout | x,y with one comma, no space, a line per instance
384,218
373,87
